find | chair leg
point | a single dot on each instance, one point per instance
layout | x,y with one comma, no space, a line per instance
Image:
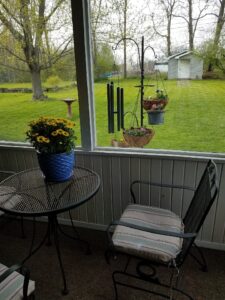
201,260
154,280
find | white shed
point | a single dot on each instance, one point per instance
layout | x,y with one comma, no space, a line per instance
161,66
185,65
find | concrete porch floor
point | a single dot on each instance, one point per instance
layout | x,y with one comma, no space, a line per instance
89,276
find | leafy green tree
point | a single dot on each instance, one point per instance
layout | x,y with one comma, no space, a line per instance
214,56
104,61
30,26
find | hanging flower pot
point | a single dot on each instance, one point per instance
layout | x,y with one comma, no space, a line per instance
155,117
147,104
160,99
138,137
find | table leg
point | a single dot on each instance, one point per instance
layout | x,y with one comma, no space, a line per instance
77,236
32,252
33,235
54,223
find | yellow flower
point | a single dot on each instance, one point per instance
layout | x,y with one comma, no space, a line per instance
41,139
65,133
54,133
70,124
51,123
46,140
60,131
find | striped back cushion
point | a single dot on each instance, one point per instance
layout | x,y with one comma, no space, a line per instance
147,245
12,287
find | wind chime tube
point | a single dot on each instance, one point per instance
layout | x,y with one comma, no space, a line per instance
118,108
109,107
112,107
122,108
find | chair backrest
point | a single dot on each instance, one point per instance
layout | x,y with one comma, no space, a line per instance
201,203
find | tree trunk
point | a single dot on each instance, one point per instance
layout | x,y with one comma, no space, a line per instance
36,85
220,23
219,27
125,42
169,36
190,26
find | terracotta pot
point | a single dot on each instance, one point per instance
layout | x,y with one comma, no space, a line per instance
138,141
121,144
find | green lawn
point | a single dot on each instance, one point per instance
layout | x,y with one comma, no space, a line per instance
194,118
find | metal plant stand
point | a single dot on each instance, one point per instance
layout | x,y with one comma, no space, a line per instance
120,93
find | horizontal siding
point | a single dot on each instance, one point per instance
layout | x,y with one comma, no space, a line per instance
118,170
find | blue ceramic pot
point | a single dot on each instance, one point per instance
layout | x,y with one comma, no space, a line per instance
57,167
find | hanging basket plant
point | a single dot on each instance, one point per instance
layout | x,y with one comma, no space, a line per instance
160,99
138,137
156,117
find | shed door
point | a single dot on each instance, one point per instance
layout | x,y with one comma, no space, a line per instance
184,69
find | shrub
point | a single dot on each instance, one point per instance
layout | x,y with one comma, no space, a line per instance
53,81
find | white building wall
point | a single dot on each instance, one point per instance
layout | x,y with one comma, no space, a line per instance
172,69
161,67
196,67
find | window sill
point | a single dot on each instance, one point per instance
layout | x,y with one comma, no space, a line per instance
136,152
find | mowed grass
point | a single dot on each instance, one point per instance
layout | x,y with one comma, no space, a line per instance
194,118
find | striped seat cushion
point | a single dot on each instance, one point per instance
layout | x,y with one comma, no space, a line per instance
147,245
12,287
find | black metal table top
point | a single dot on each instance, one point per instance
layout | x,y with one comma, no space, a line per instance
27,193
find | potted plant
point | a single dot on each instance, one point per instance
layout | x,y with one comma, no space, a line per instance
138,137
54,140
156,114
118,141
160,98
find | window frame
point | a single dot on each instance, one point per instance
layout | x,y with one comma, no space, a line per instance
85,83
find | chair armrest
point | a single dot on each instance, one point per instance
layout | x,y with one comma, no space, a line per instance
175,186
24,271
153,230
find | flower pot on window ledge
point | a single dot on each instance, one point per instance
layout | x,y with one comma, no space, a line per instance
120,143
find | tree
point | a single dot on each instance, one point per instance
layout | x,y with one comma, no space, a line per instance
192,16
127,20
220,15
211,57
99,13
31,25
168,7
104,60
220,21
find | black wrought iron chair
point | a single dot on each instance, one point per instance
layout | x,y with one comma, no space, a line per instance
3,175
158,237
16,285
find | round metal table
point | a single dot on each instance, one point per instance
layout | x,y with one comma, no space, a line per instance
28,194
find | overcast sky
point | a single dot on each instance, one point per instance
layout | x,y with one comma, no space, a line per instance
205,29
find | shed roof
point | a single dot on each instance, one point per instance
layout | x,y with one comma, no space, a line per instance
179,55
